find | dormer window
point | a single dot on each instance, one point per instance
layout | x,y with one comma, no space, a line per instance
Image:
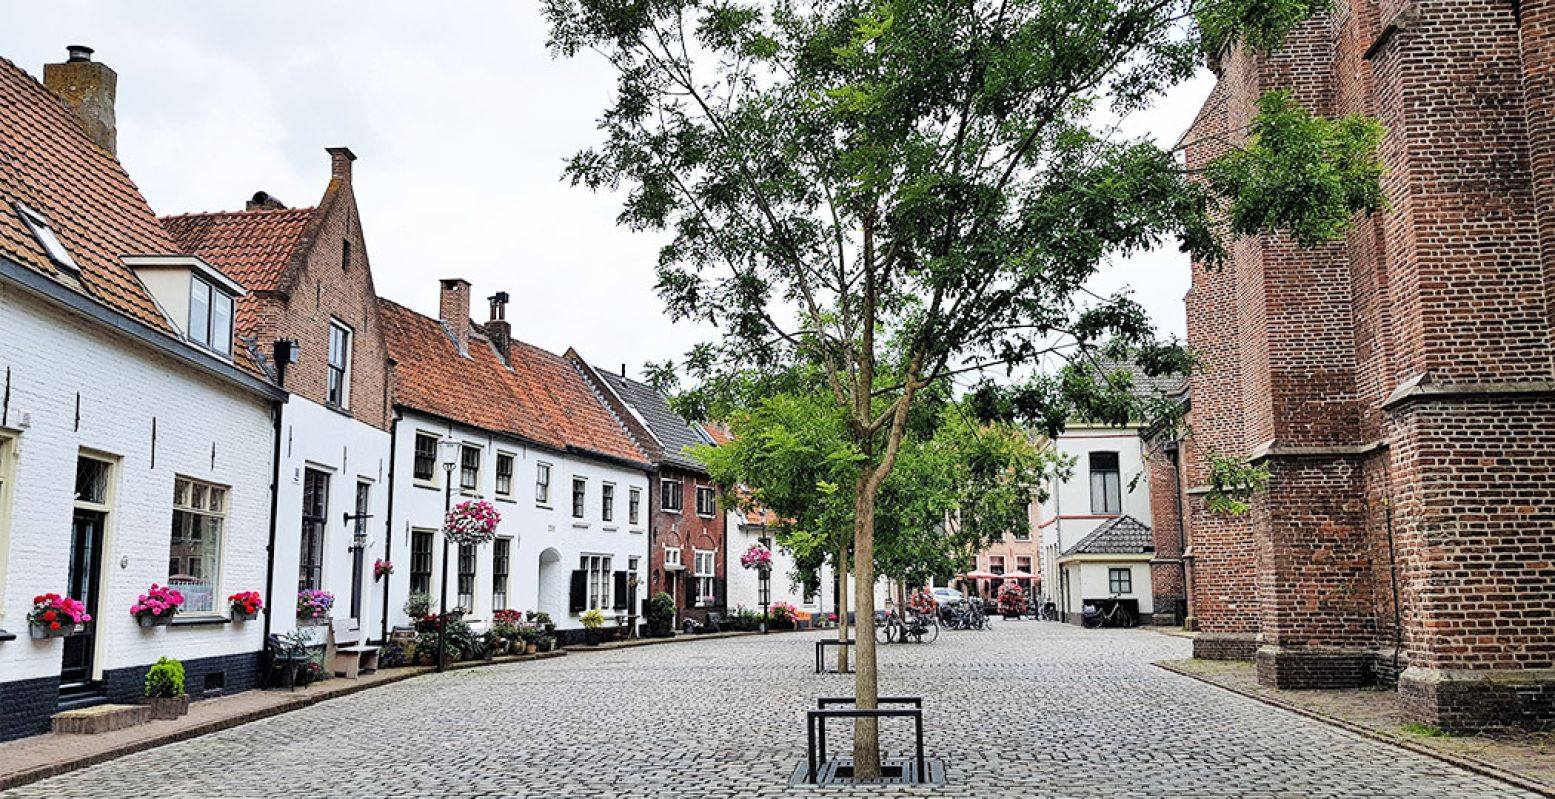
45,235
196,297
210,317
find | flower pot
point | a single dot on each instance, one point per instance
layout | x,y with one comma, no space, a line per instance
531,648
312,621
168,707
240,617
154,621
41,633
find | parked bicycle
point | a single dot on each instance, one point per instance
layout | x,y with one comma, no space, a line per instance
1049,611
894,626
971,616
1113,615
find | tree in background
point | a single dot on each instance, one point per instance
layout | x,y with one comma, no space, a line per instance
923,188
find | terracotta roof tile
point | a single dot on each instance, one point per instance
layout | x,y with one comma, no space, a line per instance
48,164
251,247
542,398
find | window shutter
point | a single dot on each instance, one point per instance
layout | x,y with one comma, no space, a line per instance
579,597
621,602
691,589
720,591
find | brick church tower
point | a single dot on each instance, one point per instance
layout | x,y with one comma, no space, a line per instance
1398,384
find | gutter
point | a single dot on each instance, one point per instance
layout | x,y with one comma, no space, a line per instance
568,449
388,527
275,504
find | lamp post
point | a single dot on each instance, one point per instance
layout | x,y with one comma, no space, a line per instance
764,587
449,450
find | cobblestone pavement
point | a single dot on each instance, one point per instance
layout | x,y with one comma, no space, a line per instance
1028,709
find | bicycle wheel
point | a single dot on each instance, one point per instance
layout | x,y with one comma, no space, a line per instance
930,634
885,631
1091,622
1124,618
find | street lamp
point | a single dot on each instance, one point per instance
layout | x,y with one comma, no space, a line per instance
448,450
764,587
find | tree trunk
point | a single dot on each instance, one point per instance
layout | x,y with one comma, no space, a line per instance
866,689
842,607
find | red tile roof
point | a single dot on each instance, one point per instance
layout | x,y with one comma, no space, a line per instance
48,164
251,247
542,398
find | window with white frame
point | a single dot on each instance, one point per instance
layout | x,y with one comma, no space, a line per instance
424,469
634,504
705,570
469,468
672,556
671,495
338,390
505,462
315,522
1106,483
707,501
607,501
580,486
467,577
597,568
543,484
421,561
44,233
501,551
1120,581
194,562
210,316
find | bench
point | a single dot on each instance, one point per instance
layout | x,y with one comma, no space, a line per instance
718,623
345,653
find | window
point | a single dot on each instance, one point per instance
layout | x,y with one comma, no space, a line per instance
345,254
1023,534
672,556
579,494
501,548
607,501
543,484
199,518
469,468
210,316
1023,564
996,564
670,498
1106,489
421,561
315,512
1120,581
634,503
359,519
337,393
597,569
424,469
505,475
705,570
707,501
466,598
45,236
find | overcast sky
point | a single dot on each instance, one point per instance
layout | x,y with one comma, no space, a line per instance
460,121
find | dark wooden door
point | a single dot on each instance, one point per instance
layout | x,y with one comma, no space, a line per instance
86,549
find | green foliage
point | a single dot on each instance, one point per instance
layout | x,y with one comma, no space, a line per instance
165,679
661,609
1300,172
592,619
1260,24
1232,483
417,605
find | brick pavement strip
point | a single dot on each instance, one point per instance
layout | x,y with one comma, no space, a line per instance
1027,709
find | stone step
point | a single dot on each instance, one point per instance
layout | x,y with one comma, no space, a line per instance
100,719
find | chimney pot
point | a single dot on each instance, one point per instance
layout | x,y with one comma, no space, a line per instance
89,88
340,159
264,201
623,371
499,306
79,52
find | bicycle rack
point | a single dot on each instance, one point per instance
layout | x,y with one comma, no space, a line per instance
925,771
820,654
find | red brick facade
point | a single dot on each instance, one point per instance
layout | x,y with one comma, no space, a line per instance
1399,385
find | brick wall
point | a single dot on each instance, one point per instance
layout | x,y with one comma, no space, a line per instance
686,531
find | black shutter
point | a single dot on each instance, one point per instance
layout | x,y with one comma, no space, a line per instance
691,588
621,601
580,591
720,592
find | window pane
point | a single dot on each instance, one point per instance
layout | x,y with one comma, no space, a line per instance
315,508
469,468
426,456
91,481
421,561
221,323
607,494
543,483
579,492
504,475
634,500
194,563
199,312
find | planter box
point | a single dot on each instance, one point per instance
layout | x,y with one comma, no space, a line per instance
312,622
242,617
41,633
154,621
168,707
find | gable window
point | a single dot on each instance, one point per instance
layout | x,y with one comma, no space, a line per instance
424,469
670,498
45,235
1106,485
634,503
579,495
315,513
345,254
704,570
707,500
210,316
467,577
505,475
543,484
194,565
607,501
421,561
469,468
500,550
338,391
1120,581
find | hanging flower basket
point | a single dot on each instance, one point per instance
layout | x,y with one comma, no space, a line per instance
473,522
55,616
382,569
313,606
757,557
245,605
158,606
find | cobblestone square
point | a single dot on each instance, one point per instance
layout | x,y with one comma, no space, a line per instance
1027,709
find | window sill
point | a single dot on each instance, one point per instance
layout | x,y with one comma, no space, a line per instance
426,485
346,412
6,635
707,515
581,525
638,530
508,500
199,621
545,505
470,492
610,528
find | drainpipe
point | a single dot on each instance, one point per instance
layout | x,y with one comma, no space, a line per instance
1171,448
275,503
388,528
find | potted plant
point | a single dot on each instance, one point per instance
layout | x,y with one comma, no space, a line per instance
508,627
661,615
593,621
1012,600
313,606
245,605
55,616
473,522
158,606
381,569
546,643
784,615
165,689
757,557
417,605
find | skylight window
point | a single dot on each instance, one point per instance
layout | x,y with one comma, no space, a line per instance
45,236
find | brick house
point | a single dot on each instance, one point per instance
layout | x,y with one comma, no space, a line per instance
688,551
135,436
483,415
1398,384
310,324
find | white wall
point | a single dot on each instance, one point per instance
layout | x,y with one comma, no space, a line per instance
1066,517
1091,579
205,429
744,584
536,530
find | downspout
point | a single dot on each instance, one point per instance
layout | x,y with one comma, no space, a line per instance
275,504
1171,449
388,528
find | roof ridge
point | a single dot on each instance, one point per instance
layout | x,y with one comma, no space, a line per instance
255,212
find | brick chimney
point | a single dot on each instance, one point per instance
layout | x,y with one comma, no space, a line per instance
498,329
264,201
89,88
453,308
340,159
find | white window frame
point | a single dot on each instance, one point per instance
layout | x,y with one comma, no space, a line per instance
708,491
496,471
428,482
543,484
580,499
634,506
680,495
607,502
203,331
1110,488
506,574
672,561
476,487
221,516
599,583
44,233
704,579
344,368
1112,579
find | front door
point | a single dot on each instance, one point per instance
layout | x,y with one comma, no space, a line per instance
86,549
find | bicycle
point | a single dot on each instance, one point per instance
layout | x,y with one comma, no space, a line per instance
1049,611
1114,615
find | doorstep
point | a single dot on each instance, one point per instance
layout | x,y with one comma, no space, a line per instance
38,757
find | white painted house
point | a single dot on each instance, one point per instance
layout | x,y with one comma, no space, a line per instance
817,599
481,416
135,435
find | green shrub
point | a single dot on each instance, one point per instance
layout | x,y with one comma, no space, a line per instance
592,619
417,605
165,679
